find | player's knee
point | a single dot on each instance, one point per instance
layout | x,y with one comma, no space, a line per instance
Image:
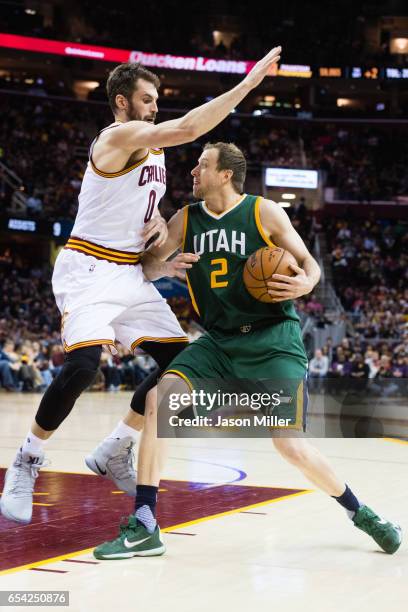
77,373
163,353
293,451
79,369
138,402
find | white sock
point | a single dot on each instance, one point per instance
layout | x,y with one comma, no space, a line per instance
125,431
33,444
145,516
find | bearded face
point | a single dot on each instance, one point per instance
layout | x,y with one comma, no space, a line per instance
142,104
138,112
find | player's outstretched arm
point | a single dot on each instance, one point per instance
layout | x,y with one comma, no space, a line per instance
154,261
276,224
135,135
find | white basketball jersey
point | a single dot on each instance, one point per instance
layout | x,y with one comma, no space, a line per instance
115,206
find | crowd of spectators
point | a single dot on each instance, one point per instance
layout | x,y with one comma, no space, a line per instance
43,143
370,273
360,163
356,360
374,254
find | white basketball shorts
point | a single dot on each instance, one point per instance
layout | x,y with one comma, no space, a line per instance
102,302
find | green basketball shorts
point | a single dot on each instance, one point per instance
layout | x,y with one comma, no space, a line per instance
270,359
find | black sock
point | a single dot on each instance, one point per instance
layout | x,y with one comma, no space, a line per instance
146,496
348,500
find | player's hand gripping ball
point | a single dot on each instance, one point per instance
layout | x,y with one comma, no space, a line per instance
261,265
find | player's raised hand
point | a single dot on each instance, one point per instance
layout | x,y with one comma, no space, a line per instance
183,261
262,68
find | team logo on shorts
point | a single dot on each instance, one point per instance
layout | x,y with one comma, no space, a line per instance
245,328
92,267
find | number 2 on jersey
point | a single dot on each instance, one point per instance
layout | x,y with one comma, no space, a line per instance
222,271
150,206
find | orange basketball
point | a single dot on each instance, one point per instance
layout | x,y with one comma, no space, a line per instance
261,265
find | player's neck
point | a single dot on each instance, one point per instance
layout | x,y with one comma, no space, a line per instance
221,202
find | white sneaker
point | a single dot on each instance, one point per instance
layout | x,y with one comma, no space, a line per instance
113,459
16,502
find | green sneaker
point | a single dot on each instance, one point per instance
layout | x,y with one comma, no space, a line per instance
387,535
134,541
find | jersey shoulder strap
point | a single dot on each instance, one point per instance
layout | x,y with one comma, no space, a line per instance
91,148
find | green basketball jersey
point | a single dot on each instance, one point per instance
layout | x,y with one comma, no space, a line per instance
224,243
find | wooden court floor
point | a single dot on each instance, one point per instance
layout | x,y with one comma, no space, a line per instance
243,529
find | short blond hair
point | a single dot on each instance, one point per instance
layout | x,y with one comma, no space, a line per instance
230,157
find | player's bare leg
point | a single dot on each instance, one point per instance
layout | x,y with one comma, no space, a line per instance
317,469
134,420
140,536
41,433
311,462
152,450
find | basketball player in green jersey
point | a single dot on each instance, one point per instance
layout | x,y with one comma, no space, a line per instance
244,338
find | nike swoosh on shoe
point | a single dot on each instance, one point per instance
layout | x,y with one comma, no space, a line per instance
103,472
132,544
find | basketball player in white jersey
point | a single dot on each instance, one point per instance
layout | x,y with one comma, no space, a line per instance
99,285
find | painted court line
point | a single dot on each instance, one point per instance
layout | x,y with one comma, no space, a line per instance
40,569
38,564
79,561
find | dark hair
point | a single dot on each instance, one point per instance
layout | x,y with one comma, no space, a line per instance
123,80
230,157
